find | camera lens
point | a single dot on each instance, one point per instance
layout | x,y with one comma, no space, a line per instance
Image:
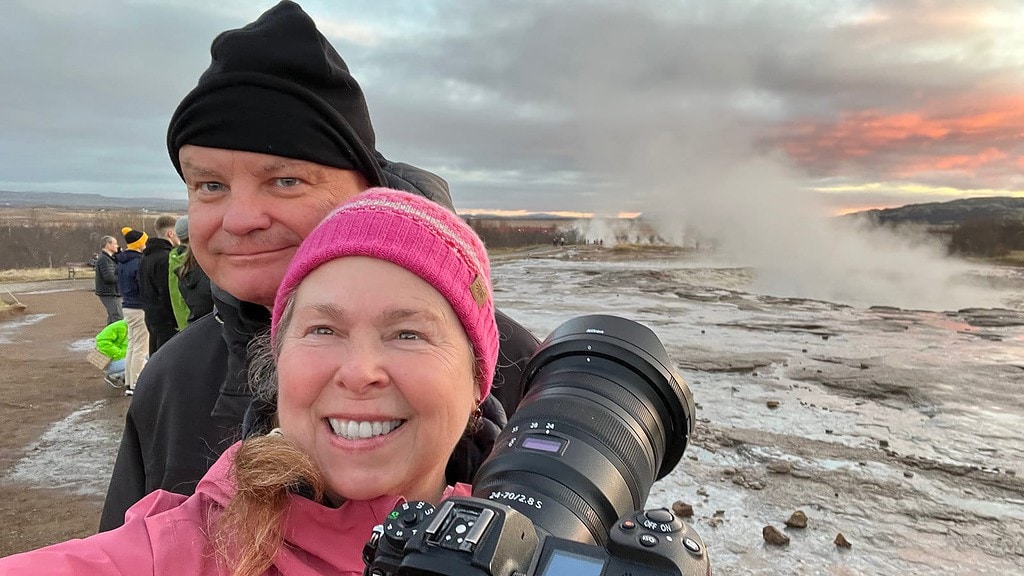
603,417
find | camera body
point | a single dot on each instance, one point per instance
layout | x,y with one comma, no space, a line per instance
564,488
476,536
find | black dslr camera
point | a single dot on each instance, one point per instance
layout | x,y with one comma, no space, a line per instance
562,493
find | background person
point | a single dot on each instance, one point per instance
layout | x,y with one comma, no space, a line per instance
273,137
112,342
128,283
383,345
156,296
191,295
106,279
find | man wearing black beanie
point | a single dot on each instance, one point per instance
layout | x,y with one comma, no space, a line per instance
275,134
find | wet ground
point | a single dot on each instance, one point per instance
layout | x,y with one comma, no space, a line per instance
61,421
900,429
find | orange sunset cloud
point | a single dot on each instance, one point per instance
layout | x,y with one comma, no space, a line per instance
977,137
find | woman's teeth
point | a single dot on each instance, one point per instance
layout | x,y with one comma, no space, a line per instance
356,430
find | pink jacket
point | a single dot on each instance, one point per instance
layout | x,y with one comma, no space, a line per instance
166,533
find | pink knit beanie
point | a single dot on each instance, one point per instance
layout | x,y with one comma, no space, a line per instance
420,236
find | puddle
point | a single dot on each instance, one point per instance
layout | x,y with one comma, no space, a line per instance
50,291
74,454
83,345
9,329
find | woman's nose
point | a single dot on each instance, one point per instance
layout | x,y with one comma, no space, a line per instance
362,367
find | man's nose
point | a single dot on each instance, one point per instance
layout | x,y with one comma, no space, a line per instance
246,211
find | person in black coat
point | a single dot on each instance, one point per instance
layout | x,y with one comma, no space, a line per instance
273,137
153,276
106,279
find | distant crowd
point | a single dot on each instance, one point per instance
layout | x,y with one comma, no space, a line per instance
151,289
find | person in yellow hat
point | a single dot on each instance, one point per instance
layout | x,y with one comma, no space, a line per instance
131,302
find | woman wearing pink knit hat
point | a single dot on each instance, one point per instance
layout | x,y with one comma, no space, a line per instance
382,346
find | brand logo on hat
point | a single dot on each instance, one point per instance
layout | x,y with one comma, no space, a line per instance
479,290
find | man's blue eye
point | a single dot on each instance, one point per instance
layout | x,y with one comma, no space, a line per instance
288,182
210,186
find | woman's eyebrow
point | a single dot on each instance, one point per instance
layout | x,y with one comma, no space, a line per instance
397,314
328,309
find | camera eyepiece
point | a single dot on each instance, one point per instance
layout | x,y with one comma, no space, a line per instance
603,417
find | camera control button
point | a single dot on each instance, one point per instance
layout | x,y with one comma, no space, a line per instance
648,540
628,525
691,546
660,515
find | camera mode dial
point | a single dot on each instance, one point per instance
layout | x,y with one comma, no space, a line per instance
405,521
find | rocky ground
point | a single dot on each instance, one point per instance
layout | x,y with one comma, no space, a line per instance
898,429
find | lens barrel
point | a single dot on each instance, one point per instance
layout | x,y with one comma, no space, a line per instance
603,417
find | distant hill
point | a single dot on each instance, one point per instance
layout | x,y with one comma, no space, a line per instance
71,200
948,213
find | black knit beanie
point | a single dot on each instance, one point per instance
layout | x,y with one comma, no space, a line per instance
278,87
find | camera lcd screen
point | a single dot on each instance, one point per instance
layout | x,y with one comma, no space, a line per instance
551,445
563,562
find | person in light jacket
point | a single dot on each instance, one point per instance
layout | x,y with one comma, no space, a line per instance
383,343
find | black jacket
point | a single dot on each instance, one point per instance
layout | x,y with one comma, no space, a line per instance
106,275
156,293
191,400
194,286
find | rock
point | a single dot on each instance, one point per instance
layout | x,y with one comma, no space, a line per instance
719,513
797,520
682,509
702,492
772,536
729,472
908,474
773,404
1011,472
780,466
883,443
828,430
841,541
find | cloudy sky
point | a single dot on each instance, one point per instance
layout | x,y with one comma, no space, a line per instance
596,106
